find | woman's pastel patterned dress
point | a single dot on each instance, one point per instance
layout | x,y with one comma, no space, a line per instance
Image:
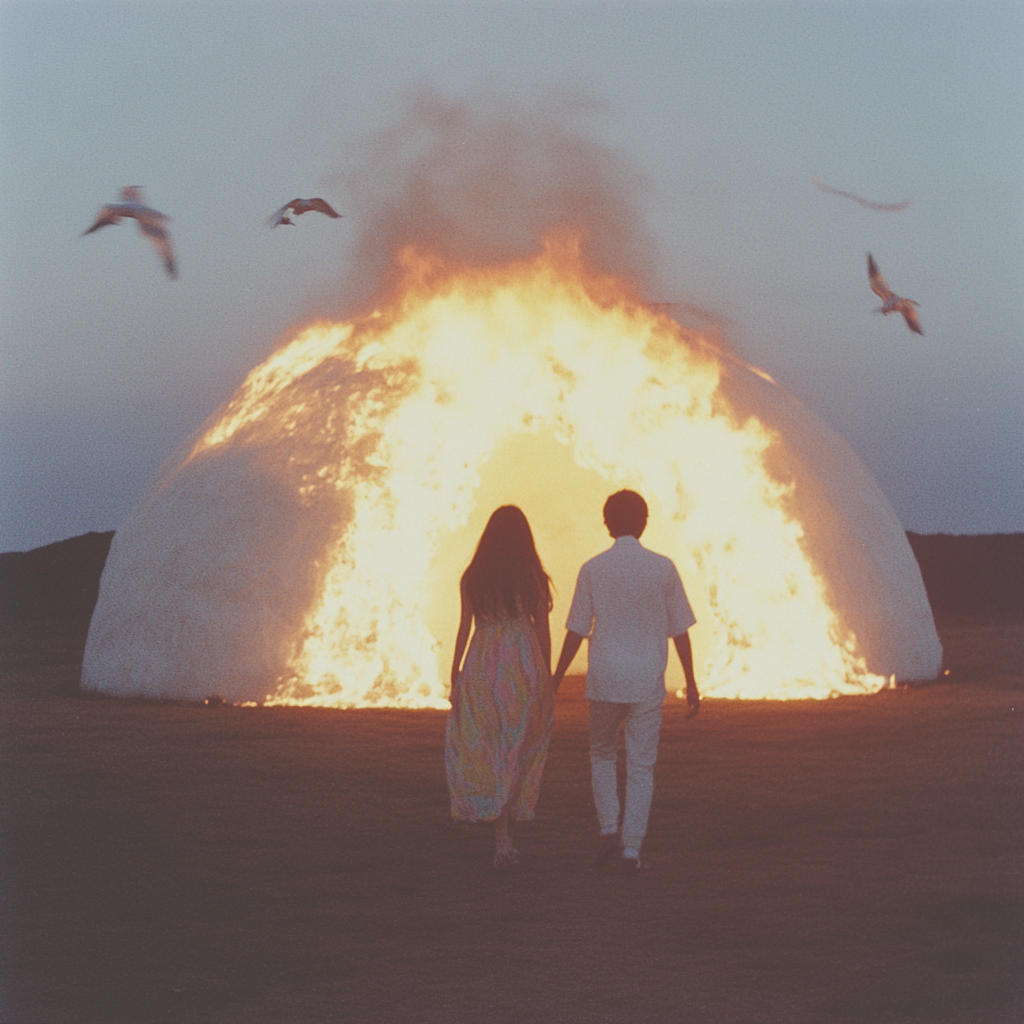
498,731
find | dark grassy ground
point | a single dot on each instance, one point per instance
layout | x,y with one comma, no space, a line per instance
851,860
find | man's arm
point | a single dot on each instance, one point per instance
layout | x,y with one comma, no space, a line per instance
685,651
570,645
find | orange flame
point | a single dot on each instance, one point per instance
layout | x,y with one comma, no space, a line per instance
547,385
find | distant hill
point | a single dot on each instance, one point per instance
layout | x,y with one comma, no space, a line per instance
59,580
962,573
971,572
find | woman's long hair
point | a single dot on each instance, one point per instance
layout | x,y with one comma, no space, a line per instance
506,577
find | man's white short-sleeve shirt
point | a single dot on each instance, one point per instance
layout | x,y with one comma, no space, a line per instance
628,601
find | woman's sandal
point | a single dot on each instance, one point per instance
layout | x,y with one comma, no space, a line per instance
504,859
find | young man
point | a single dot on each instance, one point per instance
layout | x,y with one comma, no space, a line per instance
629,601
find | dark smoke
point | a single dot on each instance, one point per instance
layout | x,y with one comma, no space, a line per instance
482,181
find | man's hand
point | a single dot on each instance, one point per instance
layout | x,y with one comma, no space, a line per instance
570,645
693,700
685,652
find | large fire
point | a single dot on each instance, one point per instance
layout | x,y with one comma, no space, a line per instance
370,453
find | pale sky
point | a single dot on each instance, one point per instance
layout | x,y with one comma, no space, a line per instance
224,111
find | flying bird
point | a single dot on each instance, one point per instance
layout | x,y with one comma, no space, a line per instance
151,223
297,207
884,207
891,302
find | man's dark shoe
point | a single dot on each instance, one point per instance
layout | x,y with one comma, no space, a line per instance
607,850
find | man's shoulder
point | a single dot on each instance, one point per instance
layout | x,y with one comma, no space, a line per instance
596,561
654,558
663,560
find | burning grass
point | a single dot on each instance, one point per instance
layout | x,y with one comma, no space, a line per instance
855,859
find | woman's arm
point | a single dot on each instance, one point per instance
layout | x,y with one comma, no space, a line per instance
462,637
543,629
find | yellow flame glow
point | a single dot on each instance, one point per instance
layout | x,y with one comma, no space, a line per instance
542,384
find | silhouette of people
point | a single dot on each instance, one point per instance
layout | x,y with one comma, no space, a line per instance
628,601
499,726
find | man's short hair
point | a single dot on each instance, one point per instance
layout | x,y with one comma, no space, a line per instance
625,514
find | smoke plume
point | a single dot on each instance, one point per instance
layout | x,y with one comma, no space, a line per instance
481,182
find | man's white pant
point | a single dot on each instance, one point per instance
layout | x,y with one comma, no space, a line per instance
643,724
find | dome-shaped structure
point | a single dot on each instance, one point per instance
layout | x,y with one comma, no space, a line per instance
306,545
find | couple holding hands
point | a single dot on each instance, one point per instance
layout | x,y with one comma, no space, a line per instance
628,603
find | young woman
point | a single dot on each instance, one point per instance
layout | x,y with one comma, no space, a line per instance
502,701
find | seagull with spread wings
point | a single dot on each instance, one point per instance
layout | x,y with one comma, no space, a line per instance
882,207
150,221
297,207
891,302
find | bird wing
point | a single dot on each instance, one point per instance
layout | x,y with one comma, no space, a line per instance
322,206
907,308
281,216
161,241
107,215
883,207
878,283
